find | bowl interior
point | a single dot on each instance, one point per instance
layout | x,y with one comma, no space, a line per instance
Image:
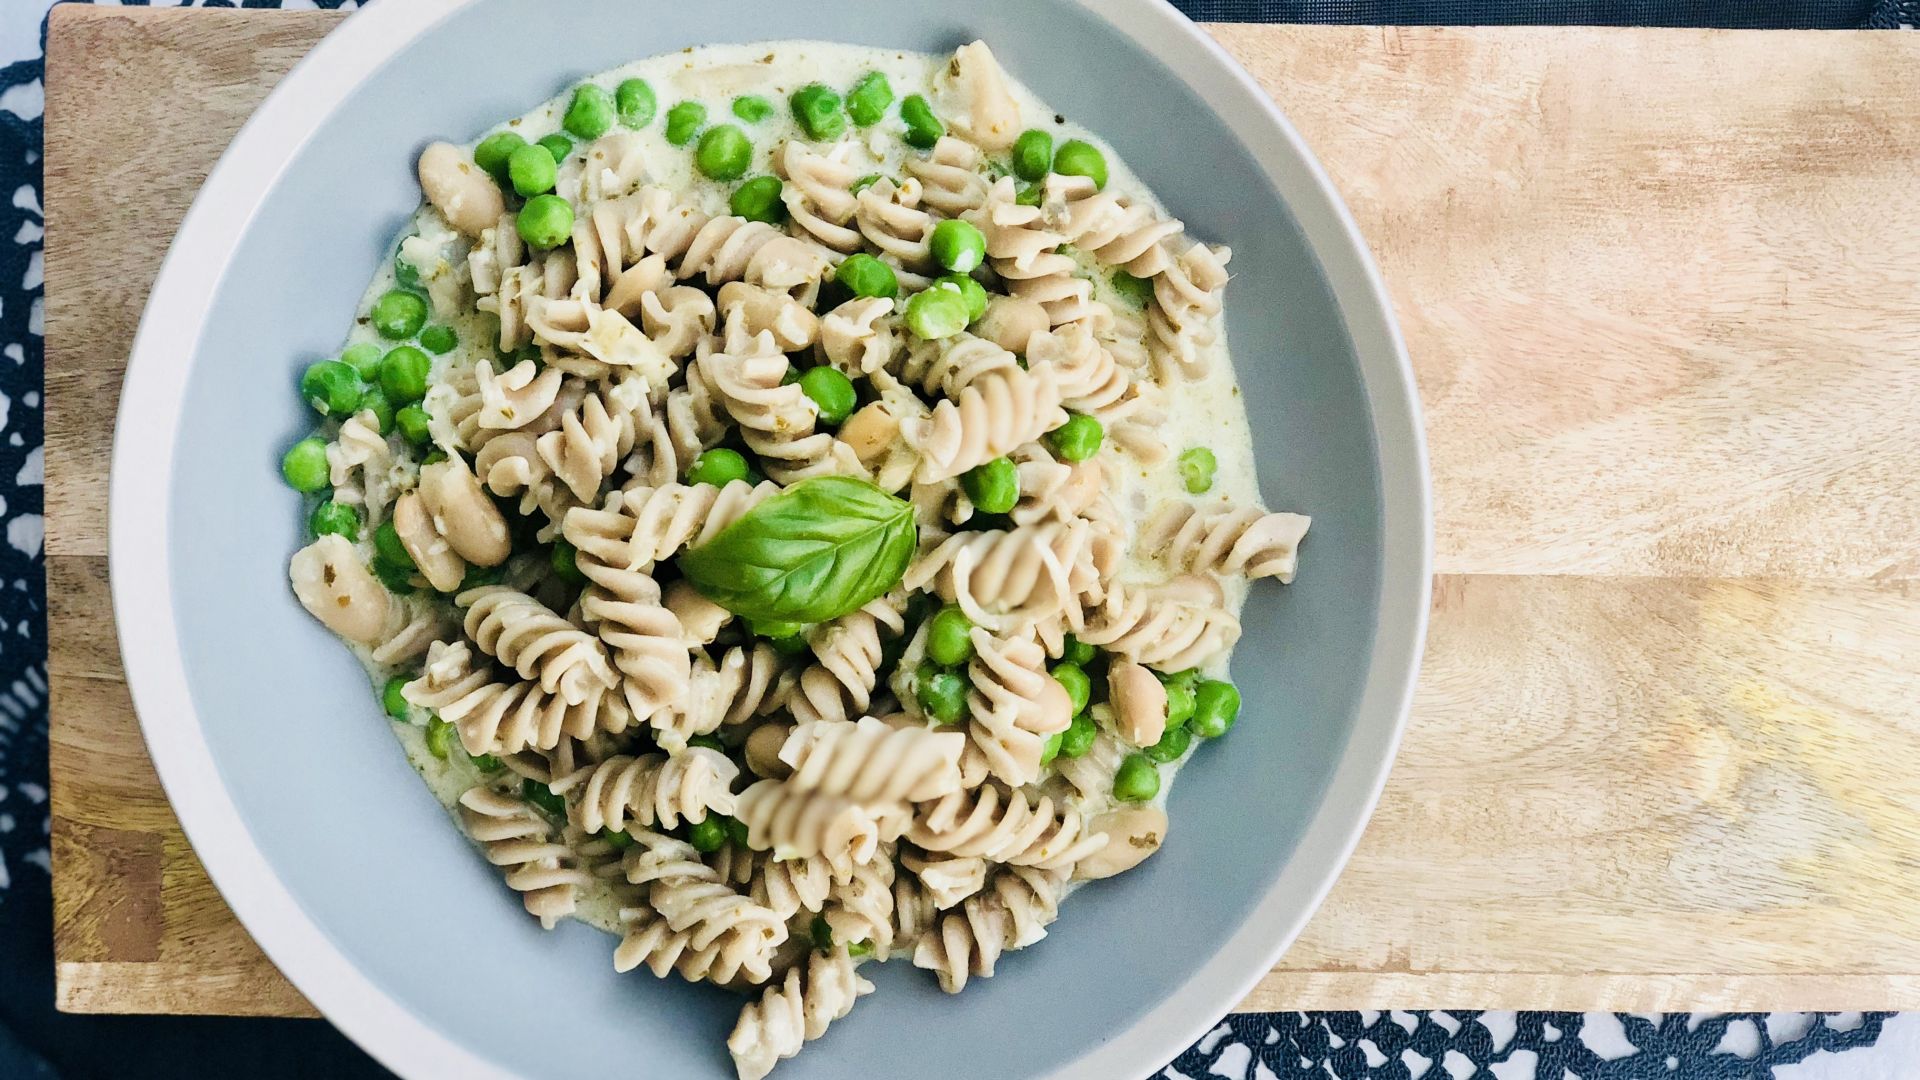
298,737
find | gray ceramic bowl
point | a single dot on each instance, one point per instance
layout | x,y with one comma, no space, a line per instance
337,858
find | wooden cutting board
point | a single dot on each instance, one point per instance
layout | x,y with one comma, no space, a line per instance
1662,289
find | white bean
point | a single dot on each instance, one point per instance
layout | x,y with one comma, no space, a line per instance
337,589
466,196
1139,703
1132,834
438,562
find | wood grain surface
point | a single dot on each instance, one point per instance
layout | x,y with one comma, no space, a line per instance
1662,291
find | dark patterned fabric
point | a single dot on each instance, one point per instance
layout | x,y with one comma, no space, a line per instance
36,1041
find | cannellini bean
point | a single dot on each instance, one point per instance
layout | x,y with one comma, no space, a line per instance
1132,834
870,431
1011,322
700,618
463,513
756,309
336,588
437,560
763,750
1139,703
466,196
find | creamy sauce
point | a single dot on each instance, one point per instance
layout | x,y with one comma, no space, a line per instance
1204,413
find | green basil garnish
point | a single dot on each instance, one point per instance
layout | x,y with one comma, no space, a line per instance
814,552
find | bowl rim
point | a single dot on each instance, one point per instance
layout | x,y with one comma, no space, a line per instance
140,563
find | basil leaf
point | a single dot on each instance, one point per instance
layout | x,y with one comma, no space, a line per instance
814,552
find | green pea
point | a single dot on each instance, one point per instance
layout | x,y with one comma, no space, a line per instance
565,561
634,101
478,577
859,949
304,466
1032,154
375,401
684,121
1075,651
332,388
1078,738
556,145
759,200
736,832
752,108
590,114
545,222
487,763
542,796
1076,440
1077,158
817,108
942,694
1196,470
923,128
1135,291
864,183
867,101
400,314
413,423
1028,195
708,741
950,637
406,274
363,358
335,519
1051,748
494,150
821,933
618,839
864,275
439,340
440,738
403,374
719,467
1137,779
392,700
389,549
792,376
1074,679
972,291
397,579
708,834
724,153
1180,704
958,245
936,313
1216,705
832,392
1172,745
993,488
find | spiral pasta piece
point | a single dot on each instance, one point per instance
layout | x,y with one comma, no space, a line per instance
788,886
914,912
818,192
1001,825
950,180
859,337
848,652
515,397
1238,540
974,86
950,365
495,716
1014,705
596,436
1052,490
731,248
753,310
798,1010
1186,303
1172,627
949,880
1111,227
1003,578
523,634
361,449
871,762
624,607
517,839
776,417
1089,378
693,900
860,908
647,938
997,412
654,790
890,218
640,526
1013,913
798,824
